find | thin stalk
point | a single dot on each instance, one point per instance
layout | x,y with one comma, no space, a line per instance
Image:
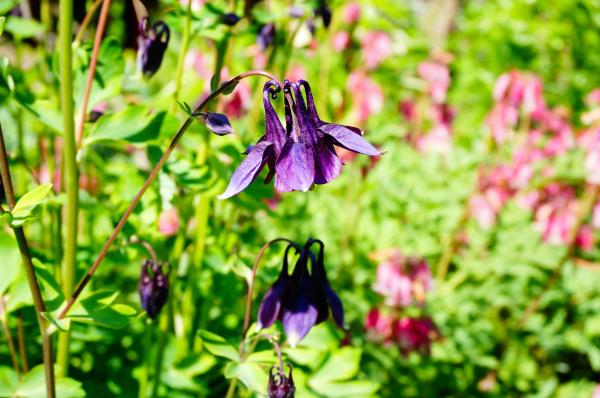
144,376
9,338
21,339
248,312
87,277
38,302
70,166
92,70
185,44
162,343
86,20
584,209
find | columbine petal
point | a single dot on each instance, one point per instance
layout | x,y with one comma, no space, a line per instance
337,308
327,165
295,168
348,139
298,317
271,304
248,169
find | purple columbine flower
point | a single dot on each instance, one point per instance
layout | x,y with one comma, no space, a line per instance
280,384
154,287
303,154
301,300
230,19
152,43
324,12
266,36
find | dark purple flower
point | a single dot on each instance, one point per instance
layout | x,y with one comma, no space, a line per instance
301,300
152,42
280,385
324,12
303,154
154,287
230,19
266,36
218,123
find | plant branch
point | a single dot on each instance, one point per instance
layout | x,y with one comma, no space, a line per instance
38,302
92,70
86,20
70,166
21,337
185,43
153,174
9,338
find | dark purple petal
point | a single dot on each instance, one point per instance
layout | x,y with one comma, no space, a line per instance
295,168
274,130
248,169
268,312
347,138
266,36
327,165
230,19
337,308
152,42
310,102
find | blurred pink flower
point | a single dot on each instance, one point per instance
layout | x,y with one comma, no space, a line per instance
415,334
596,216
585,238
403,281
556,213
592,166
296,72
482,211
340,41
168,222
378,326
408,109
437,77
376,47
196,4
367,96
201,64
351,12
593,98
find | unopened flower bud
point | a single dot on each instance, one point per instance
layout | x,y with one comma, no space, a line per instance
154,287
280,385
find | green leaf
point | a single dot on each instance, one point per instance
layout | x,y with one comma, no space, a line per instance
51,291
341,365
100,308
264,357
250,374
218,346
11,260
185,107
23,28
33,385
2,24
24,210
8,381
356,388
132,124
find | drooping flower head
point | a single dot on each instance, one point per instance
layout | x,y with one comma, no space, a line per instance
303,299
152,44
280,385
154,287
303,153
266,36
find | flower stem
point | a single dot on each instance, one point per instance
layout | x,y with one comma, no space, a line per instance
86,20
21,337
584,209
92,70
70,166
38,302
87,277
185,44
9,338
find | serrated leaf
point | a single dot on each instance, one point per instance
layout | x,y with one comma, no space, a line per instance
25,207
218,346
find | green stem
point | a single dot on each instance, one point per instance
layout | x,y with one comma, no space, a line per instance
9,338
153,174
34,287
147,357
185,44
70,165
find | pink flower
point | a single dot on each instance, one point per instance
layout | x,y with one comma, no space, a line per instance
376,47
596,216
168,222
378,326
367,95
556,213
585,238
403,281
592,166
195,59
408,109
482,211
593,98
340,41
296,72
351,13
437,77
196,4
415,334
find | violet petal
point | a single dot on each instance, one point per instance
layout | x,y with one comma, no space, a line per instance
248,169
